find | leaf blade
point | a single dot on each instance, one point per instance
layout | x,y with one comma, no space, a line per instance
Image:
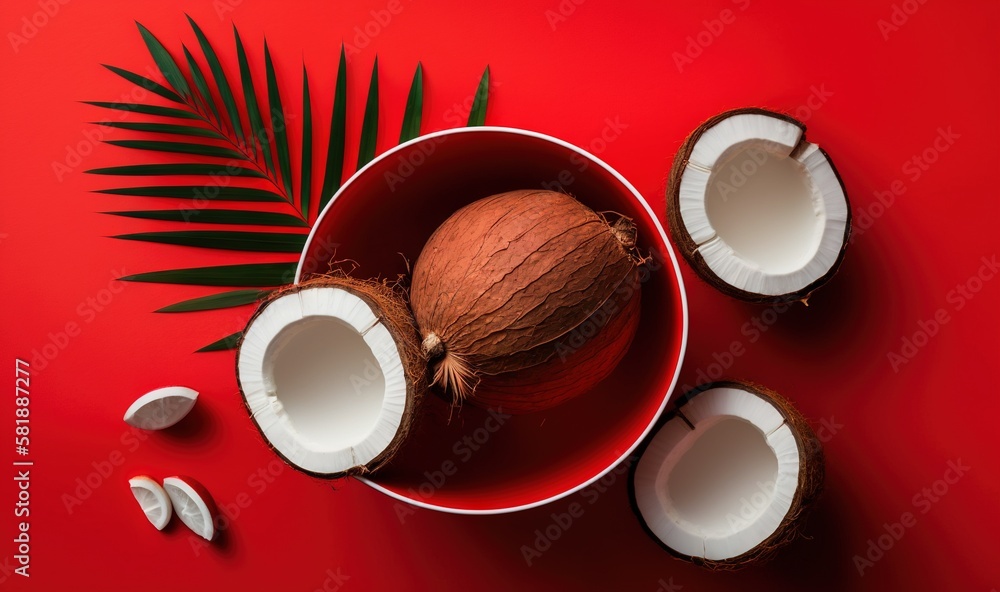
228,240
278,123
184,169
251,275
207,192
164,128
334,171
179,148
230,299
477,116
260,138
414,107
165,62
216,216
305,183
227,343
369,125
221,82
146,83
202,85
144,109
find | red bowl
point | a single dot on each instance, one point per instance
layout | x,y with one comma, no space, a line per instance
471,461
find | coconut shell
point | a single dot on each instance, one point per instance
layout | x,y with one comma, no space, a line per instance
689,249
504,278
582,359
389,305
811,476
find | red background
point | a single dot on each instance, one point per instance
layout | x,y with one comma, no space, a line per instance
887,93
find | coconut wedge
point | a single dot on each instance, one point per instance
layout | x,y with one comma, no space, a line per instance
161,408
330,371
726,479
759,212
153,500
193,505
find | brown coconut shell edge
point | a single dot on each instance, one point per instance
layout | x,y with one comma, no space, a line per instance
389,304
688,248
811,476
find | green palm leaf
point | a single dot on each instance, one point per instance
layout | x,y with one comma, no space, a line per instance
226,343
253,108
369,125
218,216
210,192
279,125
305,182
222,133
477,116
146,83
166,64
179,148
221,82
192,169
253,275
164,128
204,93
338,135
216,301
233,240
145,109
414,107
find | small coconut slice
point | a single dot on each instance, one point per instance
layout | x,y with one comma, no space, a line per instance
161,408
192,504
759,212
726,479
330,371
153,500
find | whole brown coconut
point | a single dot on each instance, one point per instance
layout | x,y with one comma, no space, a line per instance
526,299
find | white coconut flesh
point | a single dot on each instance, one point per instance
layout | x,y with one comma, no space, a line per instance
765,219
718,479
323,379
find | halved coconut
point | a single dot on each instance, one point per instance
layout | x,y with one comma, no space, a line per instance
759,213
330,371
726,478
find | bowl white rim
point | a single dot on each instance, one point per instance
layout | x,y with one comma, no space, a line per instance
663,237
